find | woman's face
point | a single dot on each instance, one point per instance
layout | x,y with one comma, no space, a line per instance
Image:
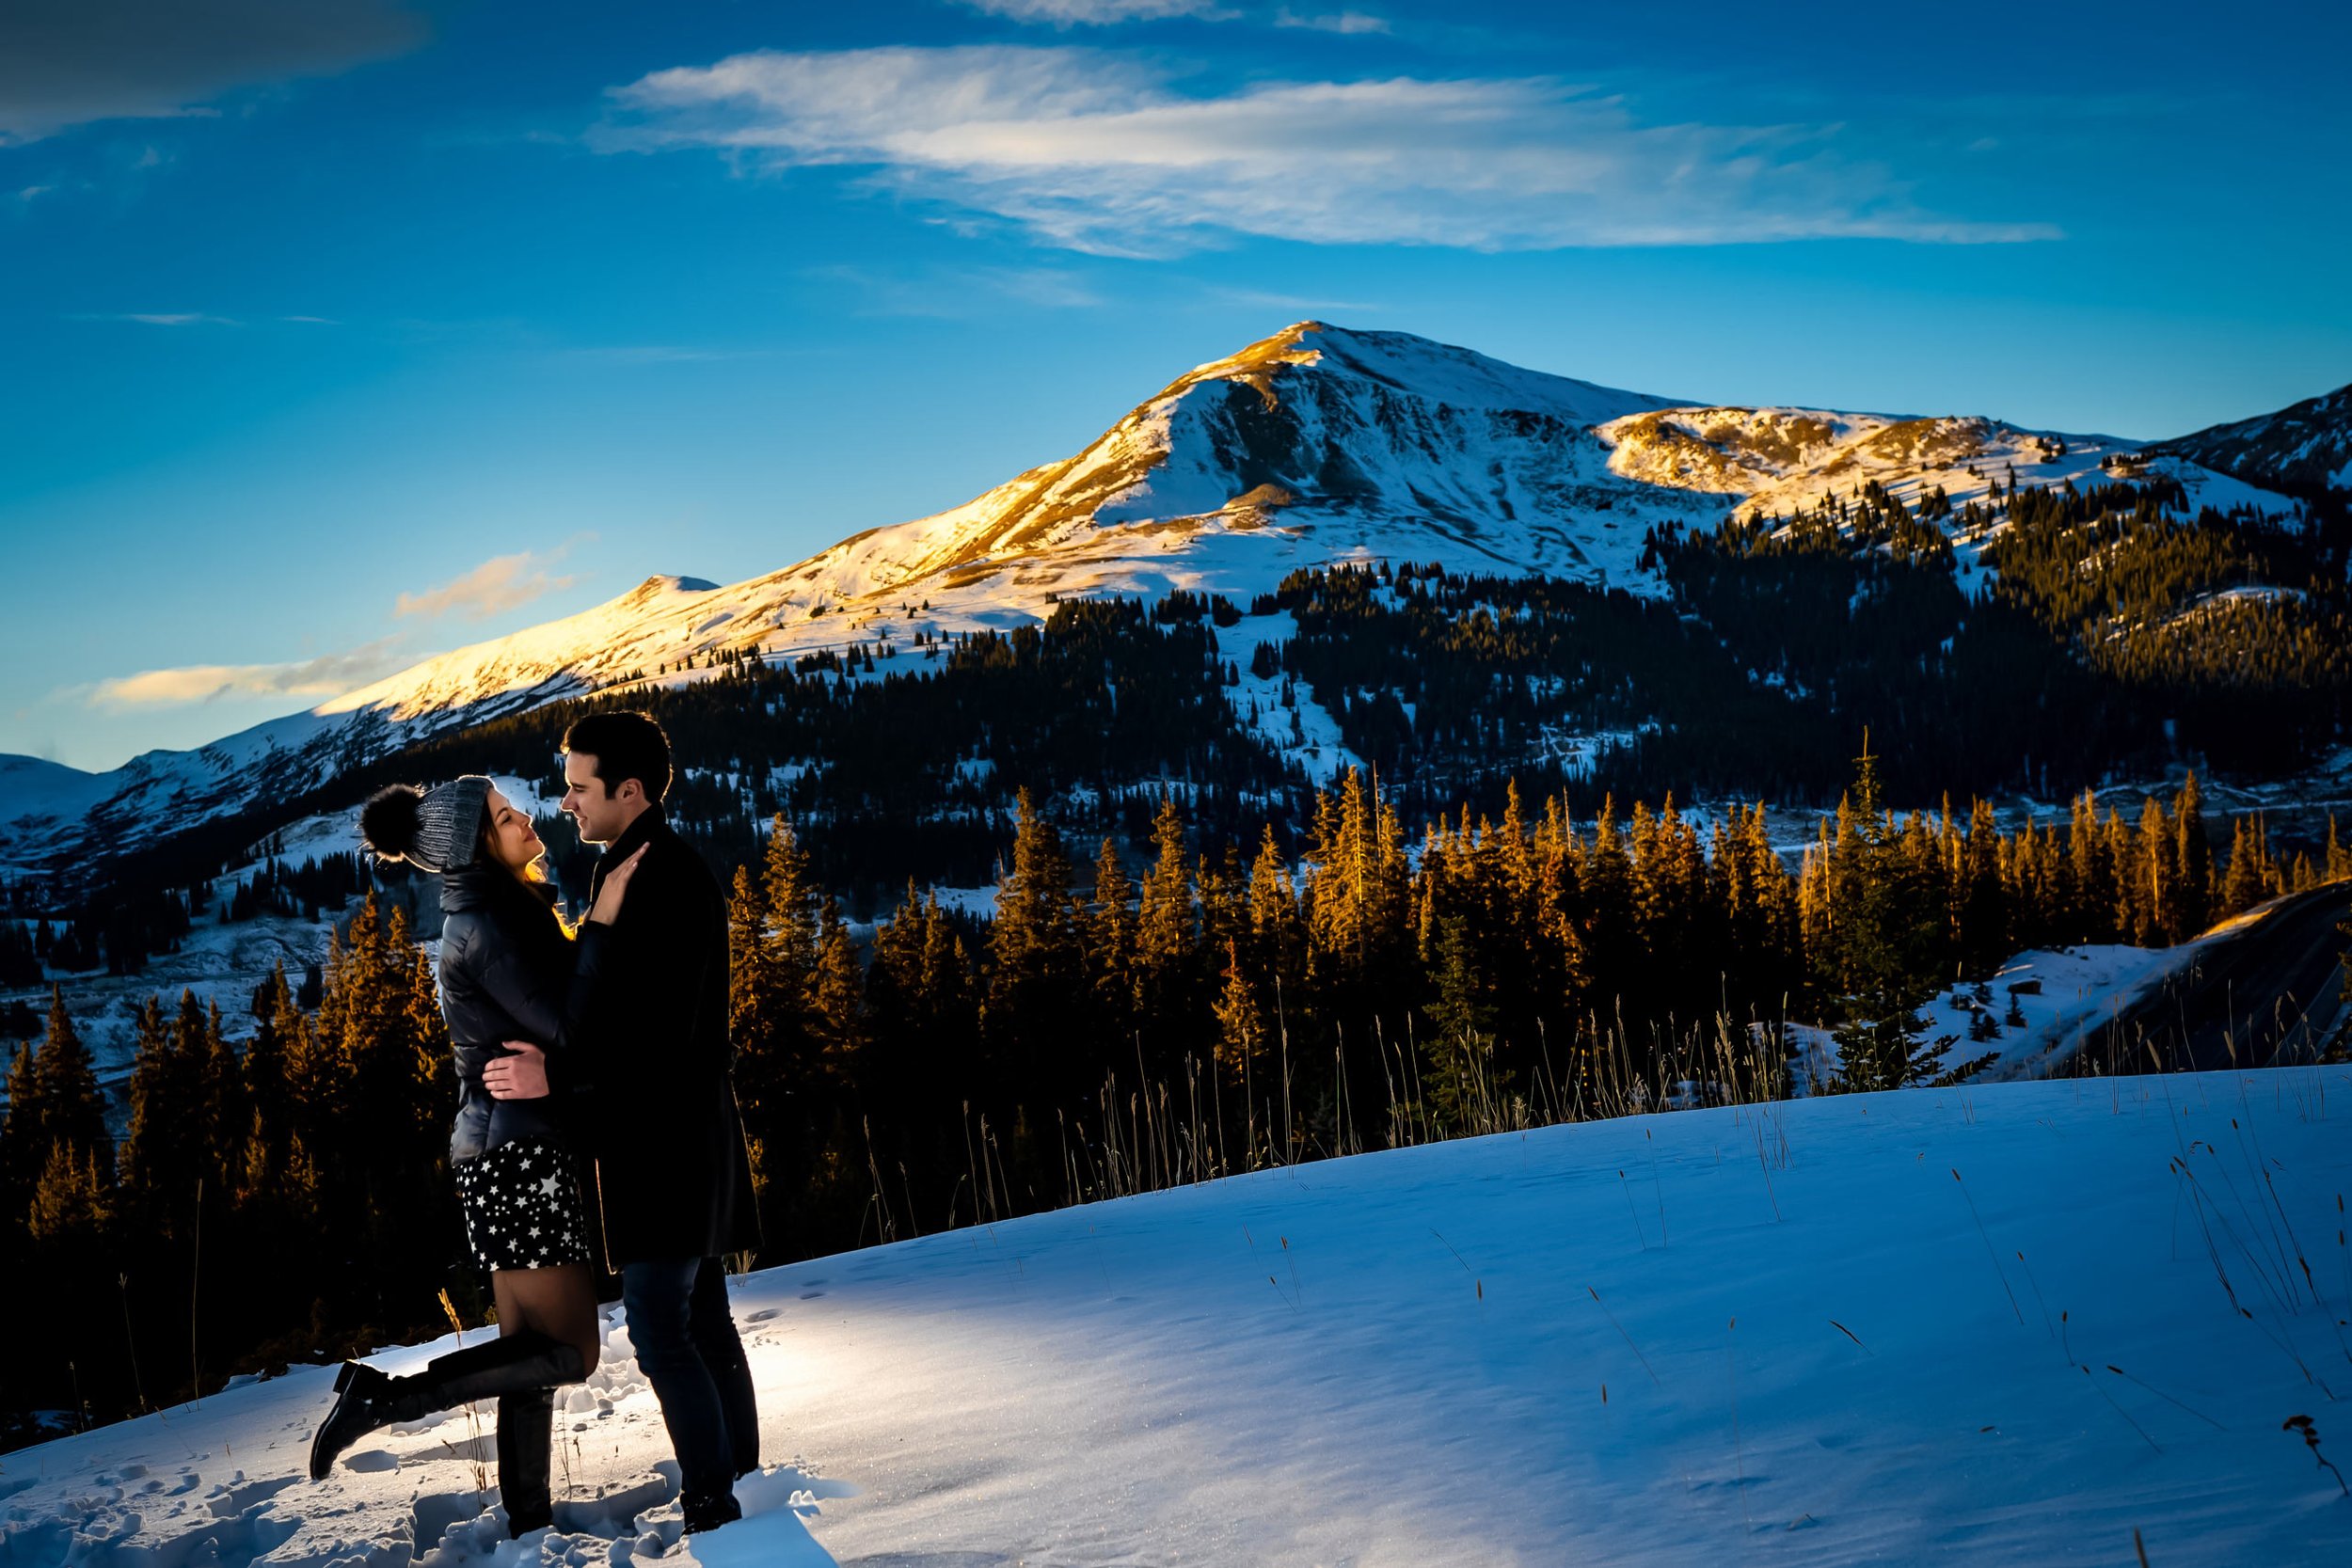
514,843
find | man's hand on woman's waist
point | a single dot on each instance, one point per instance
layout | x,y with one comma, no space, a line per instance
520,1076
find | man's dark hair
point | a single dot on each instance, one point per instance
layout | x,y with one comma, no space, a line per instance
626,746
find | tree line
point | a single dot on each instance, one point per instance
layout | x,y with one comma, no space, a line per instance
279,1192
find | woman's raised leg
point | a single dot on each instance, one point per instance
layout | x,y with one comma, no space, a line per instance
560,1303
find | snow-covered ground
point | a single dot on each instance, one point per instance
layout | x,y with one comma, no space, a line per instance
2003,1324
1305,730
2058,996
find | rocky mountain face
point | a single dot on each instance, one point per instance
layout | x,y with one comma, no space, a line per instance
1316,446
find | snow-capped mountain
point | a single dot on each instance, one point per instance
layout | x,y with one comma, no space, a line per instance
2304,449
1319,444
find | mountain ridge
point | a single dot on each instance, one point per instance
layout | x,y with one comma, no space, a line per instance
1316,444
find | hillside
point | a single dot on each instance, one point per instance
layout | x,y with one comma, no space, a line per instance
1993,1325
2303,450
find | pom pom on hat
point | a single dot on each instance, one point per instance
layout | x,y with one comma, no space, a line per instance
390,821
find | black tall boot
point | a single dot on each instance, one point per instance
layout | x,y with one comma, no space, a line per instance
512,1363
525,1423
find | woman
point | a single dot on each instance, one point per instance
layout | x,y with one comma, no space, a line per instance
505,972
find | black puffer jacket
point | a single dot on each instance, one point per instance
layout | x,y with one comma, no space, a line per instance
506,974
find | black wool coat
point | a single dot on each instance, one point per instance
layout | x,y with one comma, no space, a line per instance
506,972
649,1069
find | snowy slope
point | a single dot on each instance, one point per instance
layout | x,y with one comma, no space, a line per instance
1319,444
1777,461
1994,1325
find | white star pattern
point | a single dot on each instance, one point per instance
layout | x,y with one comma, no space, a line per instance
514,1223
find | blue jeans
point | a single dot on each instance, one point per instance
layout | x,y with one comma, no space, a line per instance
688,1351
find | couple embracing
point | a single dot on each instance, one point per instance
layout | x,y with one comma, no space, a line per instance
605,1043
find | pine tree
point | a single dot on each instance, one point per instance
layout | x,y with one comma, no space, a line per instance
782,1068
1241,1031
2247,880
224,1116
73,1109
270,1105
790,897
1109,939
1885,950
1036,999
23,1152
69,1205
950,1001
383,1085
1457,1078
1276,941
1560,981
55,1112
1165,934
1982,930
162,1157
2192,860
2094,873
836,1000
2155,907
755,1005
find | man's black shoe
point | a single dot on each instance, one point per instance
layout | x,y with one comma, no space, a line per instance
357,1387
708,1511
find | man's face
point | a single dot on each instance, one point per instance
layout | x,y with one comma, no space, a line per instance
599,816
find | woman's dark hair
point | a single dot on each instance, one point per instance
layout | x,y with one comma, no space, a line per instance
626,746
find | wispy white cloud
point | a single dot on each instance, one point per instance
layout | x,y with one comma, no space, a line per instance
168,318
326,675
1296,305
1099,13
501,584
1333,22
961,293
663,353
1097,152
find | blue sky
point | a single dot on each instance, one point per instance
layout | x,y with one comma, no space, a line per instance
341,334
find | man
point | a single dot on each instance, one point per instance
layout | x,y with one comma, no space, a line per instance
650,1083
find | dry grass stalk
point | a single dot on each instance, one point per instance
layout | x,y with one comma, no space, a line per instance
473,1422
1989,1253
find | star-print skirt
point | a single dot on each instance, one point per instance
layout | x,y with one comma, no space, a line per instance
523,1207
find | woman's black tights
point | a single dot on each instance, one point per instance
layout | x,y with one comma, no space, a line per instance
561,1303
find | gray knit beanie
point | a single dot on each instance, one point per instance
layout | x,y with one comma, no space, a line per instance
432,830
